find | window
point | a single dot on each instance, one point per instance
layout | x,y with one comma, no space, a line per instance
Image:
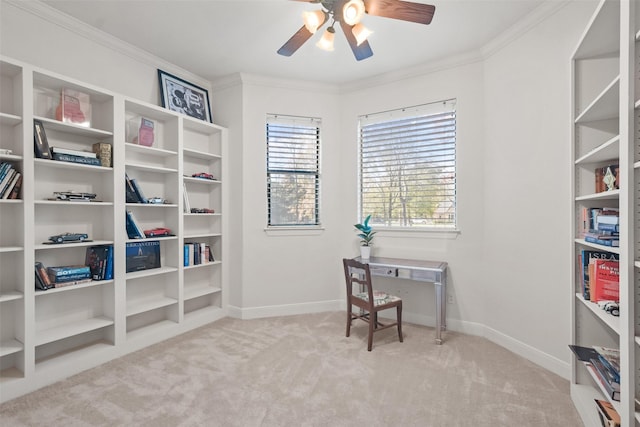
408,167
293,171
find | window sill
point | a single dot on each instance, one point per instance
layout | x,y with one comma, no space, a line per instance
412,233
294,231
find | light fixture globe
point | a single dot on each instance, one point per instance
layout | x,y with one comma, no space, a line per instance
313,20
326,42
352,12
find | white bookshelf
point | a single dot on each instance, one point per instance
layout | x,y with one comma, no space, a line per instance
47,336
604,131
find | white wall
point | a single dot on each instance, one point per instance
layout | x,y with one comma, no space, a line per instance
526,275
509,264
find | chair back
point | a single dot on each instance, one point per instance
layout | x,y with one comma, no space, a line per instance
359,275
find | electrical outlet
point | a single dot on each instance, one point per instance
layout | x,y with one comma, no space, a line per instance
450,299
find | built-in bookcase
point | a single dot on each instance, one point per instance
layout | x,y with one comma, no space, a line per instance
48,335
605,119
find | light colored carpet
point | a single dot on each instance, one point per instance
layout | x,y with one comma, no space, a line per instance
303,371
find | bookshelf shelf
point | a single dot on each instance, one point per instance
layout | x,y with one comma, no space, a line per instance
9,119
10,347
604,131
72,288
60,332
201,181
206,264
10,296
140,306
196,292
77,327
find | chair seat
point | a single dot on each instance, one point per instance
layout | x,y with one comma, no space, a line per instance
379,297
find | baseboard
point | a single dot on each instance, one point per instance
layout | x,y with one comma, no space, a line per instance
283,310
546,361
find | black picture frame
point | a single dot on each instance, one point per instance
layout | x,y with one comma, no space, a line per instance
184,97
40,142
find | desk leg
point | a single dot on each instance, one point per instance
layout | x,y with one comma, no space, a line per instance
441,304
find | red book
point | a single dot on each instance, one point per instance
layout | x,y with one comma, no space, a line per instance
606,283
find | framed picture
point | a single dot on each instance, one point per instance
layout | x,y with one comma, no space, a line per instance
41,145
184,97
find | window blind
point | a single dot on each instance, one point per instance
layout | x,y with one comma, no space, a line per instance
293,170
408,166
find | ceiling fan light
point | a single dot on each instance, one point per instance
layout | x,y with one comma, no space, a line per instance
361,33
352,12
313,20
326,42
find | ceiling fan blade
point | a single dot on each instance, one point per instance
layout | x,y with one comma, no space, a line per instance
294,43
363,51
403,10
298,39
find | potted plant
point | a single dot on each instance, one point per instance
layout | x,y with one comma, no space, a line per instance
366,236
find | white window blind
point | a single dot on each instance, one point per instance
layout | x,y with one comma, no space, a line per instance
293,171
408,166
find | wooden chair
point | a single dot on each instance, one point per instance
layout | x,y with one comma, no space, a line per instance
368,300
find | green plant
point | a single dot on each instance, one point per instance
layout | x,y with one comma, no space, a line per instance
366,232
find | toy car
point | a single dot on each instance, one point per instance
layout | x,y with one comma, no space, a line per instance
70,195
69,237
612,308
156,201
203,175
202,210
159,231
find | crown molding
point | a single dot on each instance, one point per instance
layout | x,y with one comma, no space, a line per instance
96,35
524,25
249,79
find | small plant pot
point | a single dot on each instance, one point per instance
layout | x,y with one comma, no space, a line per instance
365,252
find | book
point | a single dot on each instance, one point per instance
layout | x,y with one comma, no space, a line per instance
41,271
4,168
74,152
585,259
185,196
74,107
611,359
597,369
609,417
7,193
96,258
103,152
40,142
76,159
72,282
142,255
68,273
606,280
4,184
604,242
130,193
134,231
15,193
614,228
138,191
607,219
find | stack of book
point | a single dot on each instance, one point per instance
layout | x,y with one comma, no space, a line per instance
69,275
599,275
601,226
10,181
99,259
197,253
604,365
75,156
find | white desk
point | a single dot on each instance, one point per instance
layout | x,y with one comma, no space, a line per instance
421,271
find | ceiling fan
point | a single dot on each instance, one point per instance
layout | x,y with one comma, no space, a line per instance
348,13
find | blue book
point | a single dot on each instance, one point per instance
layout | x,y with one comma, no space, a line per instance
186,255
76,159
614,228
604,242
109,270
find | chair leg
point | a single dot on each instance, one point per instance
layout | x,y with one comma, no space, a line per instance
399,314
348,319
372,316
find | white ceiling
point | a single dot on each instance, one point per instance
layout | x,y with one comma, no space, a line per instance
214,38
